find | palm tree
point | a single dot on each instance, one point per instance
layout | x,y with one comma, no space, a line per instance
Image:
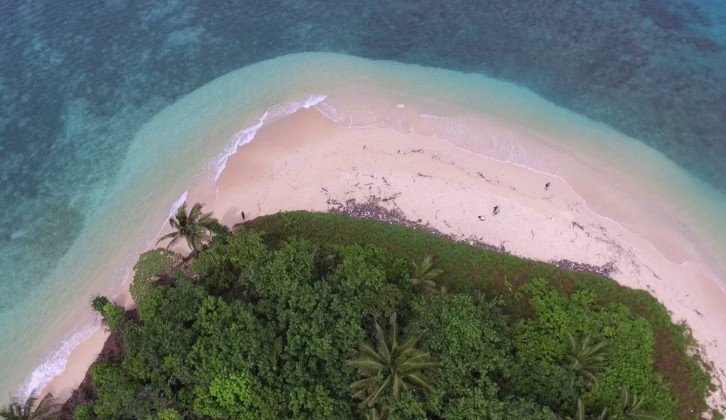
581,414
588,356
194,227
424,275
632,406
24,411
375,413
481,297
390,366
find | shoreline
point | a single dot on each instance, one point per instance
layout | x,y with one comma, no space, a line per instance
472,113
435,183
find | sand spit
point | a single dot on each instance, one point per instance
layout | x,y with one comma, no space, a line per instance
455,192
530,203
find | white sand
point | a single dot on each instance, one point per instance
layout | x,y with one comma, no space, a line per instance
305,162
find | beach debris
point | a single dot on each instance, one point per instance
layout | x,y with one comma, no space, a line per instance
603,270
372,209
393,197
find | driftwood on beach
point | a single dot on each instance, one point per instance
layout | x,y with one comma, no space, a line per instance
373,210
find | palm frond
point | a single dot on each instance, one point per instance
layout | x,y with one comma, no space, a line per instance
373,397
367,383
369,351
411,342
580,413
393,327
433,273
632,406
419,380
424,274
196,211
194,227
366,364
44,406
28,409
397,382
391,365
376,413
588,356
168,236
384,351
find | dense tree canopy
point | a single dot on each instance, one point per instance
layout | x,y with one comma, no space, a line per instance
266,323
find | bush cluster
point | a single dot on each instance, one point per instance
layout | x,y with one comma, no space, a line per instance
271,321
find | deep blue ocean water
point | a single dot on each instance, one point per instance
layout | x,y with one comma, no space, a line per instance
78,79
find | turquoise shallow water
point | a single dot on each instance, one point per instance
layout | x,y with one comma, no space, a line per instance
77,83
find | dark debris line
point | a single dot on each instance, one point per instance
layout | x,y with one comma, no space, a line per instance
372,210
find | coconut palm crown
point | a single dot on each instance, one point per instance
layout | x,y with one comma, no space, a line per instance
193,227
24,411
588,356
425,275
392,365
581,414
633,406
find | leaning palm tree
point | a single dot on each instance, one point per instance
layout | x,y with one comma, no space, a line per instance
632,406
193,227
588,356
24,411
425,275
390,366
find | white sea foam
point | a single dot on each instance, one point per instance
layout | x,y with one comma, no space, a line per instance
344,116
55,363
178,203
242,137
489,144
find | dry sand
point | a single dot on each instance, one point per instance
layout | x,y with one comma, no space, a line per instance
306,162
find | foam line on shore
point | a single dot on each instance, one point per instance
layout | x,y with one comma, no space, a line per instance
246,135
178,203
56,361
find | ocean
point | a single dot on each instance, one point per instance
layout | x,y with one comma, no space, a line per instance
93,118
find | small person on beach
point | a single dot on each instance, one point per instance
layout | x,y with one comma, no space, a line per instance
243,215
495,210
547,186
481,218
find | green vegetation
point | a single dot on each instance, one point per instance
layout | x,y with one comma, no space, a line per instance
424,275
390,364
303,315
588,356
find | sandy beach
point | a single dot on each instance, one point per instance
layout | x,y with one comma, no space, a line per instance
307,162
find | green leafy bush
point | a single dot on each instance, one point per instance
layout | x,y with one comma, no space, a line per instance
264,325
151,265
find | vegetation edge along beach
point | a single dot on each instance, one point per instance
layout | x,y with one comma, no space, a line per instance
323,315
